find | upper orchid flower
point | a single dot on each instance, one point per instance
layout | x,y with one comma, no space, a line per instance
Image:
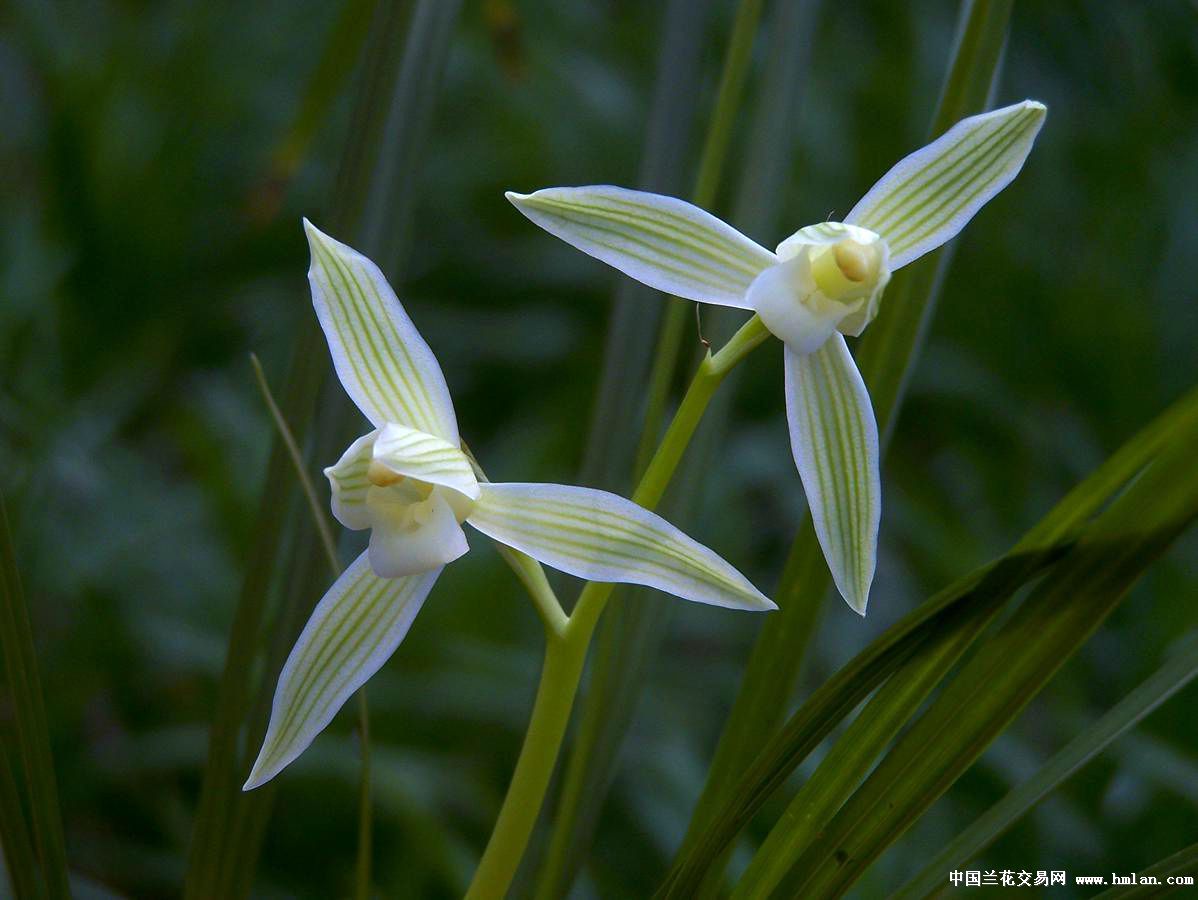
411,484
824,281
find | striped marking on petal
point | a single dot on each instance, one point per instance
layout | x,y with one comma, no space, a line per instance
351,633
383,362
834,439
930,195
664,242
425,457
600,536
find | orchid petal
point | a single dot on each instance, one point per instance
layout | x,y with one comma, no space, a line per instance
603,537
666,243
425,457
351,633
350,484
834,438
383,362
409,538
930,195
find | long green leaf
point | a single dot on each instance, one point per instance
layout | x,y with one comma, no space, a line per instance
29,718
1184,863
389,122
19,859
979,591
884,356
1126,714
1008,670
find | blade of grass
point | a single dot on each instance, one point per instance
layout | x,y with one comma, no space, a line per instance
381,188
341,51
1183,862
321,523
1007,670
884,355
29,719
837,697
633,623
1126,714
707,182
229,825
19,860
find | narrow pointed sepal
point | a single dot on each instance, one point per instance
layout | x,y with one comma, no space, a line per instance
383,362
930,195
351,633
663,242
600,536
834,438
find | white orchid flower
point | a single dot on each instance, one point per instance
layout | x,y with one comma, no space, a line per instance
411,484
823,282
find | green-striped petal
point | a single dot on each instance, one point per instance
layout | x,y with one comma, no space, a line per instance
352,632
383,362
425,457
834,438
349,483
930,195
603,537
663,242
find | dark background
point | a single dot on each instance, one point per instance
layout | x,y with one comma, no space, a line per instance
147,246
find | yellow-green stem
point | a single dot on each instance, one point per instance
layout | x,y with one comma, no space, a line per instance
566,649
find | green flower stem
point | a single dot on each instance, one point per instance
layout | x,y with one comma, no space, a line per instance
711,165
566,647
885,356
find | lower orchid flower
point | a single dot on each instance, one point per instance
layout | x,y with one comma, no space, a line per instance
412,485
823,282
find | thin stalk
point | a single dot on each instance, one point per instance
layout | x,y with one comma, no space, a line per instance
405,54
321,523
29,717
635,620
885,356
707,181
566,652
365,807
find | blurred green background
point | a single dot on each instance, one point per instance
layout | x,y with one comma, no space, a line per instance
147,245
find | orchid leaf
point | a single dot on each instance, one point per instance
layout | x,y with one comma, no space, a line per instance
1006,671
834,438
603,537
661,241
383,362
1125,715
353,630
930,195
